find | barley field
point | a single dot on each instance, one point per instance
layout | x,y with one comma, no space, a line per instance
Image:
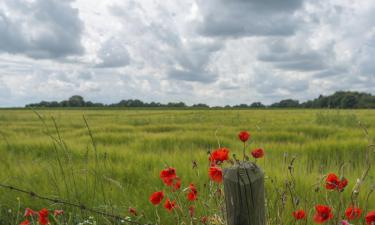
113,162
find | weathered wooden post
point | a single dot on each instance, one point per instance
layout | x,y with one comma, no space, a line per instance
244,194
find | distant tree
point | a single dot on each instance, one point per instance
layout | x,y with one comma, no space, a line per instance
257,105
200,105
339,99
176,104
64,103
89,104
286,103
76,101
241,106
349,101
155,104
54,104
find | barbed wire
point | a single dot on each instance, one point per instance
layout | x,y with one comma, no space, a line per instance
80,206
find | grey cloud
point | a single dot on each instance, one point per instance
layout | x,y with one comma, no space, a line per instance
192,62
283,56
228,85
113,53
302,65
40,29
85,75
5,91
330,72
268,83
192,75
366,57
238,18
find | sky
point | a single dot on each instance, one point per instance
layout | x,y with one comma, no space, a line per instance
216,52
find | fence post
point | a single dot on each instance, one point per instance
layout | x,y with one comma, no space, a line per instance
244,194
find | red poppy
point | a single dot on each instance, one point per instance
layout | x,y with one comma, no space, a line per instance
168,181
204,220
43,216
257,153
299,214
191,211
25,222
132,211
29,212
58,212
177,184
333,182
244,136
370,218
342,184
216,174
219,155
353,213
156,197
193,193
323,214
168,205
168,175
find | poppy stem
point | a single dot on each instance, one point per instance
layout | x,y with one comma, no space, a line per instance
243,151
157,215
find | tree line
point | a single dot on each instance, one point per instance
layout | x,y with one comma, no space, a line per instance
338,100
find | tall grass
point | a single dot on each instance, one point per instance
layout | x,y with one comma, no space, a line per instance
110,159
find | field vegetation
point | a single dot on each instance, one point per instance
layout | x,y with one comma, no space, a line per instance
110,160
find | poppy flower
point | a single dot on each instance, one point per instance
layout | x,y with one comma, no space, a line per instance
345,222
353,213
342,184
370,218
168,175
58,212
132,211
257,153
168,205
156,197
29,212
191,211
333,182
244,136
25,222
43,216
299,214
204,220
323,214
219,155
216,174
177,184
193,193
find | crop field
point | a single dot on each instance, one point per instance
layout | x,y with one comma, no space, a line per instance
113,162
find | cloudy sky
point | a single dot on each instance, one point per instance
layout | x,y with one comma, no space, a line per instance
211,51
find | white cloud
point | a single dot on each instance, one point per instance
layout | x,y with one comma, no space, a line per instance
211,51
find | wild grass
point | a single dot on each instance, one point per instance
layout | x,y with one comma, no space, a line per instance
118,166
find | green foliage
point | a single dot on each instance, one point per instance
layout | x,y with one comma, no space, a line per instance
287,103
343,100
340,100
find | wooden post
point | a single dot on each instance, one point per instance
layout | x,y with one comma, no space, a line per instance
244,194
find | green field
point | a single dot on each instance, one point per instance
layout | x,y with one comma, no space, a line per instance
132,146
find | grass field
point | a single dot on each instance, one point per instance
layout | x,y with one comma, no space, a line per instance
132,146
